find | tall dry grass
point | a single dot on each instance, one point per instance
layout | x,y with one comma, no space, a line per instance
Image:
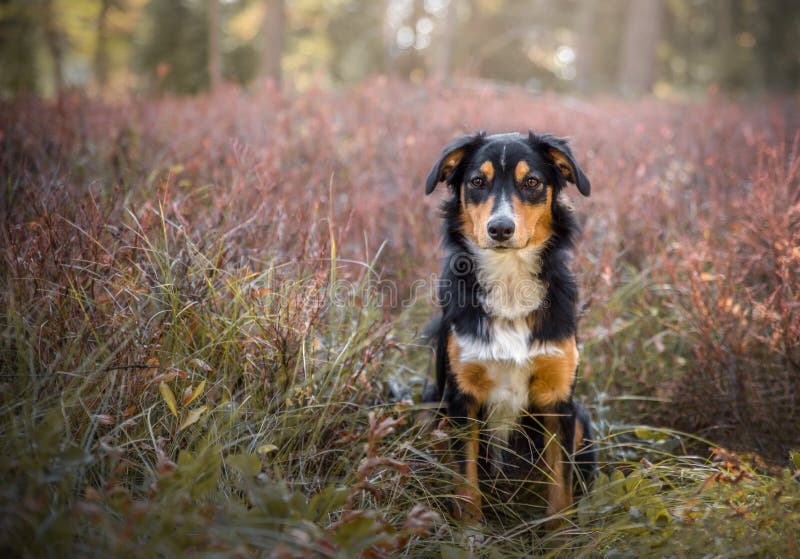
211,314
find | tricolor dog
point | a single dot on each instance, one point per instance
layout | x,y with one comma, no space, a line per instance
506,351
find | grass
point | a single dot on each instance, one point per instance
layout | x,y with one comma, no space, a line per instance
210,345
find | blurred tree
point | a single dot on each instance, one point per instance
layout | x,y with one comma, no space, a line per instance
597,44
388,30
18,28
361,40
101,49
55,40
669,47
274,41
214,54
174,52
776,38
725,40
241,52
520,42
740,45
641,36
445,43
588,47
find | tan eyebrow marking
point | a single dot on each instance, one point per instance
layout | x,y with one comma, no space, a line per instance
521,170
488,169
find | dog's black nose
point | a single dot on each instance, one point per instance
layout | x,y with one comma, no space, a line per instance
501,228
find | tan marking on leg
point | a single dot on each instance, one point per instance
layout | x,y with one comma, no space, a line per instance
559,488
488,170
521,170
534,222
468,506
472,379
554,375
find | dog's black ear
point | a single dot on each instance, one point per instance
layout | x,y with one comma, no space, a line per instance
558,152
452,155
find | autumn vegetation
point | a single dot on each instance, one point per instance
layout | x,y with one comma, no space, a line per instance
212,311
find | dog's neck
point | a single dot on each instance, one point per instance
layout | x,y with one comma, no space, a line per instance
510,282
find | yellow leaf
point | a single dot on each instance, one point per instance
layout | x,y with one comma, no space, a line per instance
266,448
169,397
192,418
196,393
650,434
187,393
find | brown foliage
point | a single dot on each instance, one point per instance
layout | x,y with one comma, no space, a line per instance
702,198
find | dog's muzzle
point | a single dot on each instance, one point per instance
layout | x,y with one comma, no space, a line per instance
500,229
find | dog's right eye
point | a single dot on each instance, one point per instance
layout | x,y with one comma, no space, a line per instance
478,182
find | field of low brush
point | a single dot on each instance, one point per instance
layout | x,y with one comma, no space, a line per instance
211,317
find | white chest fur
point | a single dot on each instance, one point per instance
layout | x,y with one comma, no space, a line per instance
508,358
513,291
510,281
506,341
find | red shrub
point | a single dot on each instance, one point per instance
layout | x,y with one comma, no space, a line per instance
702,198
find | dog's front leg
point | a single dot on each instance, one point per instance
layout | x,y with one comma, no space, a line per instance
559,487
467,488
553,377
464,397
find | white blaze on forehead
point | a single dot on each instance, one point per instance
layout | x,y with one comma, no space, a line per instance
503,158
504,209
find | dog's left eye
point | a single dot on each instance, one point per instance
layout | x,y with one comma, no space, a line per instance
478,182
532,182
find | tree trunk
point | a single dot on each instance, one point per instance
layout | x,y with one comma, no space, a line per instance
214,56
642,33
274,28
388,41
587,47
55,44
101,50
443,55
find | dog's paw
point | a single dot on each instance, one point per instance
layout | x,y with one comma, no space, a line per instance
472,539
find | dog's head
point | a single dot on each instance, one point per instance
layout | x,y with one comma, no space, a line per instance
507,185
